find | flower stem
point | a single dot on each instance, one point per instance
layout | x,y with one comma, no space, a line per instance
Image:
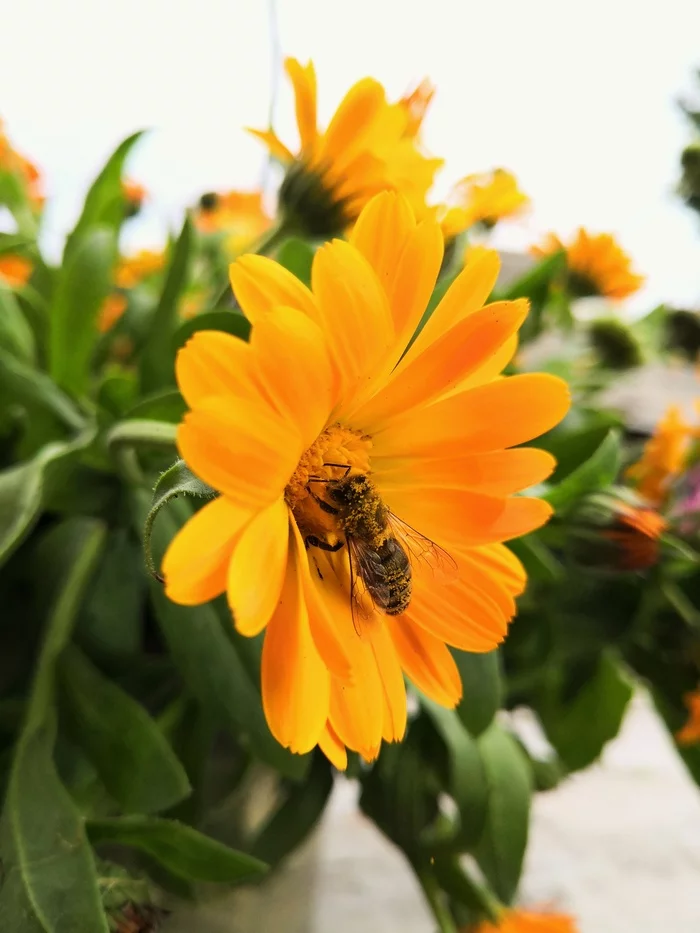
434,897
270,239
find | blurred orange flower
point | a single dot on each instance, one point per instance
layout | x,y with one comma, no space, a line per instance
112,309
485,198
690,733
134,193
664,457
416,103
525,921
635,534
134,269
14,270
12,161
239,214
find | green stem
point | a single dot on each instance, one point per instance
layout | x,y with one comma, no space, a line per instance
141,432
435,898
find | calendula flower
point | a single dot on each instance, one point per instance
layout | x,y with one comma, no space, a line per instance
635,535
690,733
131,270
239,214
323,425
525,921
366,148
12,161
112,309
615,532
14,270
596,263
134,194
416,103
483,199
664,457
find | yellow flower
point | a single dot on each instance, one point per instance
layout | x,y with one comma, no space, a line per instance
664,457
134,269
486,199
325,405
14,270
597,265
690,733
416,103
240,214
366,148
524,921
12,161
112,309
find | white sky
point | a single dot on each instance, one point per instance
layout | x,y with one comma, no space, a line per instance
578,99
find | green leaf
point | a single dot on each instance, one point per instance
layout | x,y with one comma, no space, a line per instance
15,243
15,333
481,689
84,282
31,387
297,256
139,432
157,359
580,728
22,490
595,474
50,880
130,753
467,782
179,848
290,823
13,193
104,204
231,322
501,849
160,406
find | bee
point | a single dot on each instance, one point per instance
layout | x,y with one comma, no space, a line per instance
380,546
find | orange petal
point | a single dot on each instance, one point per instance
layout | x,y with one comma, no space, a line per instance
333,748
391,676
492,368
356,711
499,414
295,681
446,362
274,144
494,473
352,122
294,370
257,568
260,285
303,79
244,450
427,662
497,559
381,233
214,363
195,564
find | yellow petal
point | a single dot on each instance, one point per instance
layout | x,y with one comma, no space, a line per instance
274,144
295,681
294,370
391,677
352,122
214,363
303,79
257,569
333,748
502,563
427,662
195,564
356,711
244,450
261,285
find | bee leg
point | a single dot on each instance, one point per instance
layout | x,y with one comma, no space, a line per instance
313,541
323,504
342,466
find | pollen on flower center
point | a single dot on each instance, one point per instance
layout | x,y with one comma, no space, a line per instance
335,445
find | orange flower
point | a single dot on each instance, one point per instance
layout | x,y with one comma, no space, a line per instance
192,303
635,535
416,104
486,199
135,195
366,148
318,433
690,733
14,270
12,161
524,921
112,309
664,457
597,265
240,214
134,269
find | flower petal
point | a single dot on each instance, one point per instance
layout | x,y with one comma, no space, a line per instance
195,564
333,748
293,366
356,708
382,232
214,363
261,284
257,569
500,414
500,561
303,79
274,144
295,681
391,676
244,450
351,125
427,662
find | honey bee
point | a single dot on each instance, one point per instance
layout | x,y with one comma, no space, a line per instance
380,546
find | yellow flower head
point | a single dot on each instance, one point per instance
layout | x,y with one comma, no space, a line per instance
239,214
12,161
525,921
14,270
690,733
134,269
597,264
664,457
416,104
366,148
365,489
485,198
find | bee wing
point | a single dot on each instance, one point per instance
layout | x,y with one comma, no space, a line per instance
366,581
421,550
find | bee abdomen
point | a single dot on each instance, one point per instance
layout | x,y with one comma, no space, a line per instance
395,593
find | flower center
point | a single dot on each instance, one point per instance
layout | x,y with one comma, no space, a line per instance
334,449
